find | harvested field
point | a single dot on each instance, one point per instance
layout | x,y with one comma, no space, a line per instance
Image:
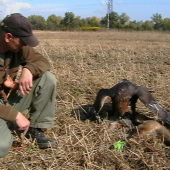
84,62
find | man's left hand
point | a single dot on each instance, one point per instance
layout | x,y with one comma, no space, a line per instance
25,81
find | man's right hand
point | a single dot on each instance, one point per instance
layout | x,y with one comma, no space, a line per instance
22,122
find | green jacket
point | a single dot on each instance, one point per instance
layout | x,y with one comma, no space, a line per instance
28,58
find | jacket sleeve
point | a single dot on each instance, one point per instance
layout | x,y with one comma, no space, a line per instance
34,61
8,113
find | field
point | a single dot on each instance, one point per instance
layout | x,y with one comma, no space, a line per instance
84,62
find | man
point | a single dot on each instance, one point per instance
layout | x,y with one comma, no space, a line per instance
36,88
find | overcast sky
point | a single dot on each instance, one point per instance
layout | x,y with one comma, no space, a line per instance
135,9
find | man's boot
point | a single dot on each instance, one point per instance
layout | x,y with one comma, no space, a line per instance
38,135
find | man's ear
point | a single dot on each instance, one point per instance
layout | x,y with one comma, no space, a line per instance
8,37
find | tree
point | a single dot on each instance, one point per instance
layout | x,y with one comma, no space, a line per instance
53,22
38,22
158,20
124,19
148,25
114,20
83,22
135,25
166,24
68,20
132,25
93,21
76,22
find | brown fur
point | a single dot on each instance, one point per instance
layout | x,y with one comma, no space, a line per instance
148,127
152,127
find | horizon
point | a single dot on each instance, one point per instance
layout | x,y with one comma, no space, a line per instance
139,11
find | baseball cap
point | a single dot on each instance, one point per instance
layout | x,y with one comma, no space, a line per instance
20,27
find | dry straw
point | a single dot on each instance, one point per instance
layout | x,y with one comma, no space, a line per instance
84,62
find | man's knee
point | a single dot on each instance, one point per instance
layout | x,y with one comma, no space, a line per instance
46,85
50,78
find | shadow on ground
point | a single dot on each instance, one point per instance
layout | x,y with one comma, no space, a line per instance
87,112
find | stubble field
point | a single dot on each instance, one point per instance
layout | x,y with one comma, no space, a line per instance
83,63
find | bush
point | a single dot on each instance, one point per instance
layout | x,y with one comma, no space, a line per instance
91,28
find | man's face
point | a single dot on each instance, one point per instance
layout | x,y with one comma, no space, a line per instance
13,43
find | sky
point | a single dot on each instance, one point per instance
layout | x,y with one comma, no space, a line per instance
139,10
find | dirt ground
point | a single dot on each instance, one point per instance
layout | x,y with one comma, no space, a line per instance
83,63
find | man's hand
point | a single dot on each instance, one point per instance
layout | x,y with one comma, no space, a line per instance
25,81
22,122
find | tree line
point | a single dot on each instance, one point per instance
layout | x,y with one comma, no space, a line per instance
72,22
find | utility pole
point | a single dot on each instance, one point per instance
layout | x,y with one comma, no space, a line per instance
109,10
